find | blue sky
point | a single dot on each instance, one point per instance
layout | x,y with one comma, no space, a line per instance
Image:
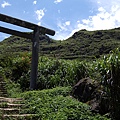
63,16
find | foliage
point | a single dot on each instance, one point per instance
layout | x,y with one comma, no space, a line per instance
54,72
14,67
56,104
35,117
82,44
109,68
13,89
20,65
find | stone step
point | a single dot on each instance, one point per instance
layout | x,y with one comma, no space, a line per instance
2,82
13,111
18,116
2,87
4,90
11,100
3,95
10,110
14,105
10,105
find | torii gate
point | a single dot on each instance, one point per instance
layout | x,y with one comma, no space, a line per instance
38,30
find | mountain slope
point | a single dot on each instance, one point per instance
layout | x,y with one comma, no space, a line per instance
82,44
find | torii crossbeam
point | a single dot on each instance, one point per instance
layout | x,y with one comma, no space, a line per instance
37,31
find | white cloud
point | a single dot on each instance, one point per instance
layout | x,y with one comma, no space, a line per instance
34,2
63,26
67,23
4,4
106,17
40,13
57,1
60,35
39,23
63,31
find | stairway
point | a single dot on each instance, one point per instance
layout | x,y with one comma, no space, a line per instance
11,108
3,90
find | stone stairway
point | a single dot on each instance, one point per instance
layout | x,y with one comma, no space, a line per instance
3,90
11,108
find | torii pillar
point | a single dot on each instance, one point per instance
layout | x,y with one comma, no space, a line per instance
37,31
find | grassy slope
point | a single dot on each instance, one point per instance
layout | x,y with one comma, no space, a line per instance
82,44
56,104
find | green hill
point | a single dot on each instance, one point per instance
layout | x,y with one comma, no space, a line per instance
54,73
81,44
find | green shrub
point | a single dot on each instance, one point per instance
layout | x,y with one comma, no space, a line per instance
53,72
20,66
109,68
56,104
13,89
114,84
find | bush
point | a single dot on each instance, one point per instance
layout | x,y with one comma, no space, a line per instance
20,66
53,72
109,69
56,104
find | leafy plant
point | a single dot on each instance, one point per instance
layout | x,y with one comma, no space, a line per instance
20,65
57,104
109,69
54,72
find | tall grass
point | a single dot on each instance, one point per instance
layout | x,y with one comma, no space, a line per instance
109,68
57,72
53,72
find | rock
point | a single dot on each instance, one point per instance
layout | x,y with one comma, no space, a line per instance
83,90
93,94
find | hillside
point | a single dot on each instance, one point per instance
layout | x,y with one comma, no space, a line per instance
81,44
56,77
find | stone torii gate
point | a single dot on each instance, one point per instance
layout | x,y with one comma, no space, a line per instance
37,31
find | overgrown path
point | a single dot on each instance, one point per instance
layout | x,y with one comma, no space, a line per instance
11,108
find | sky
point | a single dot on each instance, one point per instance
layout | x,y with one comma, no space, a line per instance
64,16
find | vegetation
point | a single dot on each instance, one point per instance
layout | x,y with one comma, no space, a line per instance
110,69
83,45
56,104
57,76
53,73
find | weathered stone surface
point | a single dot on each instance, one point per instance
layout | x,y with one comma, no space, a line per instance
83,90
93,94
